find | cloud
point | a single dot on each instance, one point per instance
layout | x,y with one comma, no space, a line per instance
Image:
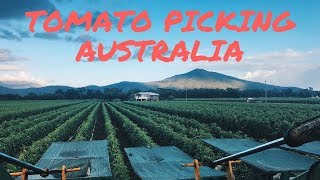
81,38
147,53
301,75
64,1
287,67
9,67
16,32
287,54
259,74
9,31
49,36
7,56
9,35
84,37
21,79
114,20
15,9
13,75
24,34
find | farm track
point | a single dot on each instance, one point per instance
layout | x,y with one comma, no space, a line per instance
99,131
85,130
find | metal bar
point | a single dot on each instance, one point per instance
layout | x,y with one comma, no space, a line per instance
250,151
17,162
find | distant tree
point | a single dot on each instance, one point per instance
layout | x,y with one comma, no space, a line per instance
10,97
171,97
72,94
31,96
48,96
130,94
97,94
82,93
113,93
232,93
274,93
288,92
59,94
165,93
304,93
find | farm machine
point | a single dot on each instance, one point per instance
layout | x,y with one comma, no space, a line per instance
294,156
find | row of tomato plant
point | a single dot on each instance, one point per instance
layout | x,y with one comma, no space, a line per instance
165,135
195,127
271,119
8,107
13,143
33,152
136,135
31,109
117,162
84,132
22,124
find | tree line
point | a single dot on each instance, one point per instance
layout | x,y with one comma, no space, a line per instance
165,94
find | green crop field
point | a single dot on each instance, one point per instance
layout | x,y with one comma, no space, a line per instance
27,128
315,100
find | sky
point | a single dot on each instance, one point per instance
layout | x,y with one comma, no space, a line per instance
40,59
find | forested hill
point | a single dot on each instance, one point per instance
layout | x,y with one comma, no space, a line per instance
202,79
195,79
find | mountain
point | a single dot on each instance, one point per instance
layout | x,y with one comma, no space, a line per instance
126,86
194,79
40,90
199,78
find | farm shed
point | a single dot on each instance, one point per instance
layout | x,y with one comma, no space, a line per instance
146,96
